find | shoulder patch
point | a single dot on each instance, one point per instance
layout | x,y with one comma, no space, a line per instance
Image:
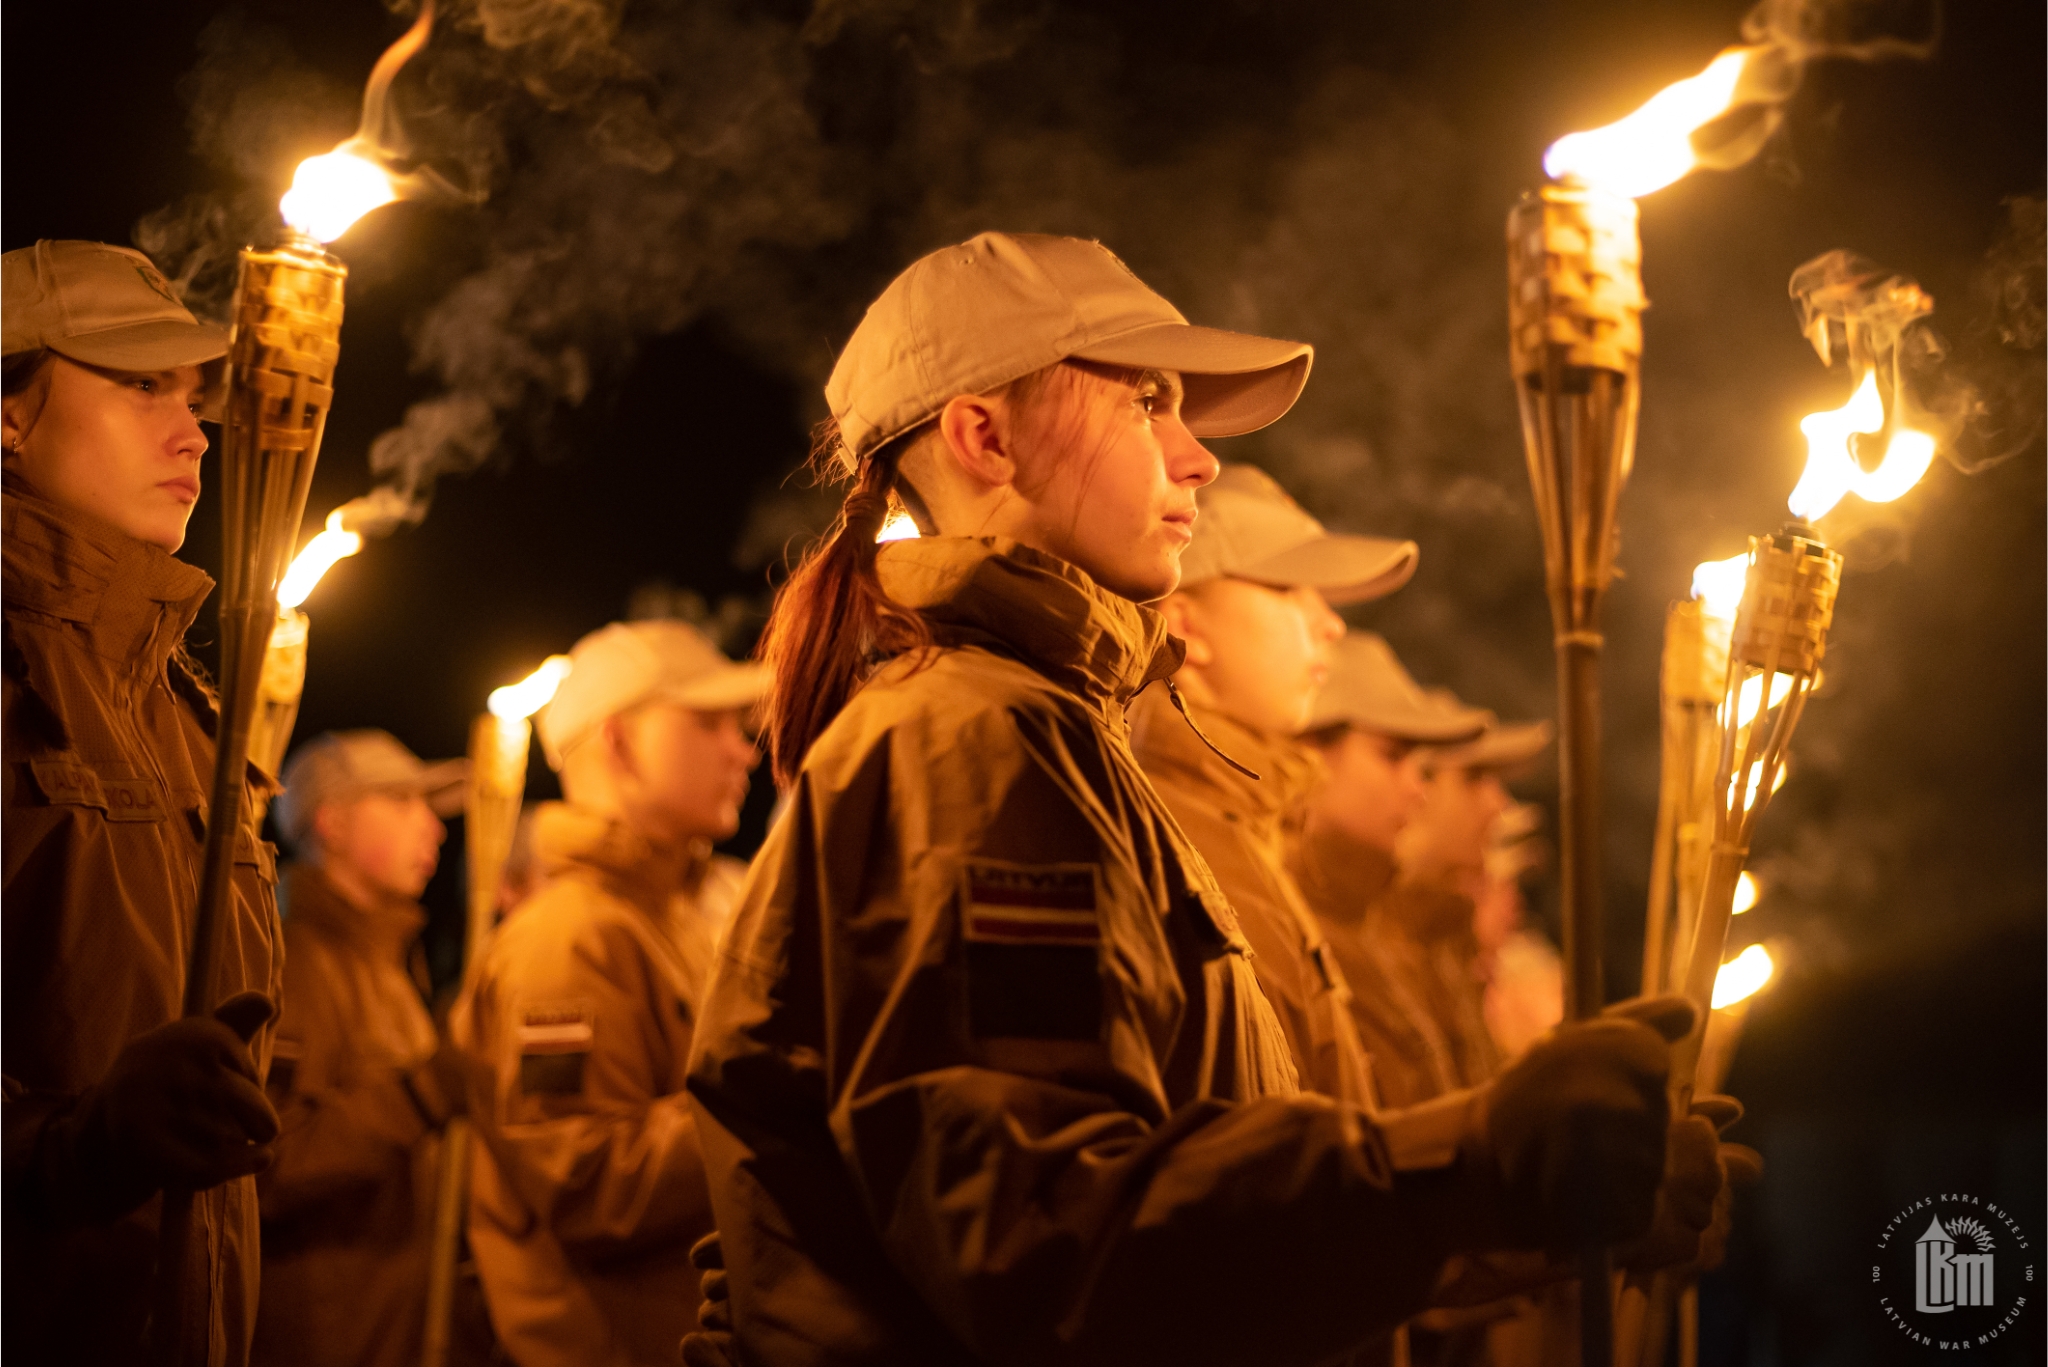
554,1043
1033,950
1030,904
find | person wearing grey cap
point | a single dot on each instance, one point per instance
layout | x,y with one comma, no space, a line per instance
107,726
588,1187
985,1073
362,1083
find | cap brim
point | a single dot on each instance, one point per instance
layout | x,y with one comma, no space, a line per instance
1235,382
1422,726
1504,747
162,345
442,784
1344,569
738,685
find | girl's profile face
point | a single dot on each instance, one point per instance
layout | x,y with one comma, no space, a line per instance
1111,476
122,446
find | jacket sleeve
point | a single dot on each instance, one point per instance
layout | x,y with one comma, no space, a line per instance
574,1038
346,1128
1035,1190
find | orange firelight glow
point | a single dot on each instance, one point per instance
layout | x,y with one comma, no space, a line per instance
331,191
1718,585
327,546
1743,976
531,693
1832,471
899,527
1653,146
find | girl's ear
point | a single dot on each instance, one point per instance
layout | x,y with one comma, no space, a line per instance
976,430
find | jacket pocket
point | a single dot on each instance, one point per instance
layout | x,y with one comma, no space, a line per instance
70,783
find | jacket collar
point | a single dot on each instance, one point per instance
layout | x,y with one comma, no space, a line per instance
993,592
387,929
569,839
1174,751
129,597
1340,875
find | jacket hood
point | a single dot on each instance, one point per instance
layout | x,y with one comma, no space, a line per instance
995,593
387,929
569,839
1173,751
72,566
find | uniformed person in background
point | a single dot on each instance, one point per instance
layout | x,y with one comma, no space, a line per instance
1367,726
1255,610
362,1083
107,726
588,1186
985,1072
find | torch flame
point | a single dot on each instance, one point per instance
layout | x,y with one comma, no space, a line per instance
330,192
900,526
1746,893
531,693
1718,585
327,546
1832,471
1653,146
1742,977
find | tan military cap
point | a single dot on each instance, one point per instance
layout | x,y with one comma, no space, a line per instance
103,305
1250,529
629,663
1369,690
348,764
967,319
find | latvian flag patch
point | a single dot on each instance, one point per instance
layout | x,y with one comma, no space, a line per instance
1031,904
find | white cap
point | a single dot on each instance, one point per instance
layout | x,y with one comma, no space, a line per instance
628,663
970,318
342,765
1250,529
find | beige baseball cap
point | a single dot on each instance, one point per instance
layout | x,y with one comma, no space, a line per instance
1369,690
345,764
993,309
629,663
100,304
1250,529
1503,745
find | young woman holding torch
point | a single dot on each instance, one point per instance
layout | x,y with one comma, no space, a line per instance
107,726
984,1073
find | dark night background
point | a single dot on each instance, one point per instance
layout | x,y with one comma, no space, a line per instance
618,355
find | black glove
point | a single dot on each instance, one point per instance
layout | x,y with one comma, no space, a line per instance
180,1106
1576,1127
712,1344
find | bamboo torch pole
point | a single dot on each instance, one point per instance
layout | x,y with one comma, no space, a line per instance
282,349
499,742
1575,302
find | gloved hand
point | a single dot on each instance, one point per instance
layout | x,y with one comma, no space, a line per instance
1694,1208
440,1084
1575,1129
180,1106
711,1345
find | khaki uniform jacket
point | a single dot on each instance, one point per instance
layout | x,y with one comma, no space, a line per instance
985,1072
1417,1005
587,1186
349,1201
1236,821
108,758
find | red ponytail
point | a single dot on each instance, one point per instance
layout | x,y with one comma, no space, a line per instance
832,623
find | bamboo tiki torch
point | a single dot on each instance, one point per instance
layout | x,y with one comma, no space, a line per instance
284,659
1774,659
499,742
1575,338
284,341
